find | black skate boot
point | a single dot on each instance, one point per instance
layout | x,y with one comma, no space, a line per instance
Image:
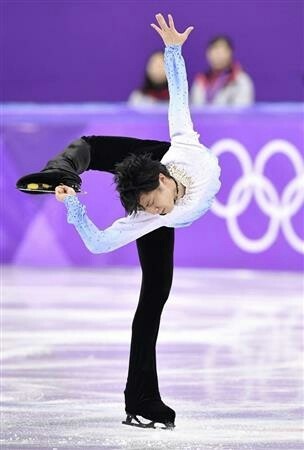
63,169
154,411
45,182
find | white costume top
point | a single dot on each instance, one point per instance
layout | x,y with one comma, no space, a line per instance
187,160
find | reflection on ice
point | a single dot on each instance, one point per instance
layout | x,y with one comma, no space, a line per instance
229,360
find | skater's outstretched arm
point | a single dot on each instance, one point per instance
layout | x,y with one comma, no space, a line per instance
180,123
121,232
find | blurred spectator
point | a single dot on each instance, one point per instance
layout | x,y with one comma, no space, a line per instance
225,82
155,86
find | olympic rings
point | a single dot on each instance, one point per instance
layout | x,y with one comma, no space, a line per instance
254,184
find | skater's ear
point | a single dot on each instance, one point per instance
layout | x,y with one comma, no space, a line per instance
161,177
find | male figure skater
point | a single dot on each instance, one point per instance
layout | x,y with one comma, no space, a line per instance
162,185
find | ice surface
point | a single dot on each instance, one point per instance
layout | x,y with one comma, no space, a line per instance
229,360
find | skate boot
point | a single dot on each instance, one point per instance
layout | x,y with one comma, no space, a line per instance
63,169
45,182
154,411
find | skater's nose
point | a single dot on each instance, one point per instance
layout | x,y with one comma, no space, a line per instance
153,210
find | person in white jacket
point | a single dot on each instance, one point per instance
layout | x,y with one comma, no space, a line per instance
162,185
225,83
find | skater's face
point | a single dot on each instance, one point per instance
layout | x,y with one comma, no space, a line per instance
160,200
219,55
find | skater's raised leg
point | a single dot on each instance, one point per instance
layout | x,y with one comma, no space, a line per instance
87,153
64,168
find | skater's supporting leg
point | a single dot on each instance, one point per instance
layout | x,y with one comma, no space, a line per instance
156,257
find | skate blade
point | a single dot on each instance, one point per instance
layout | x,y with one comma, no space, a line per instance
48,191
139,424
45,188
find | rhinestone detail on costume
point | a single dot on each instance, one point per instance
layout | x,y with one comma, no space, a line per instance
181,175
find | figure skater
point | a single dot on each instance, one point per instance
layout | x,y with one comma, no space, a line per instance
162,186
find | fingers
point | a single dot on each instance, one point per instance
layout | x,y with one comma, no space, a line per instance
59,190
58,193
168,33
159,30
171,21
62,189
161,21
188,31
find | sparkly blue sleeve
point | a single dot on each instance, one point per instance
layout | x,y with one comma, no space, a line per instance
121,232
180,123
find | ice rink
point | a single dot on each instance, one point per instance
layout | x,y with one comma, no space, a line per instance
229,359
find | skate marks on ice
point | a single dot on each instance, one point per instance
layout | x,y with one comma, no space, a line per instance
229,360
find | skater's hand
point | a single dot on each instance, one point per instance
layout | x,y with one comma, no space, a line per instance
62,191
168,32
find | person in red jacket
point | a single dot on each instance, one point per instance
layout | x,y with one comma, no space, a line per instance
225,82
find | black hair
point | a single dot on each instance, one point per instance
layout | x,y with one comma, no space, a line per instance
136,174
221,37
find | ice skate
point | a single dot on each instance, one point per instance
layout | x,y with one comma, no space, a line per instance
134,421
63,168
45,182
151,414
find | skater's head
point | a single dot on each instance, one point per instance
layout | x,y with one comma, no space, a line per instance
219,52
145,184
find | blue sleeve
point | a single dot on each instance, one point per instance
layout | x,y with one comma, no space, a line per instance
180,123
121,232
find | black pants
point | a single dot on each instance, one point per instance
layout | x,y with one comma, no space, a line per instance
155,252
